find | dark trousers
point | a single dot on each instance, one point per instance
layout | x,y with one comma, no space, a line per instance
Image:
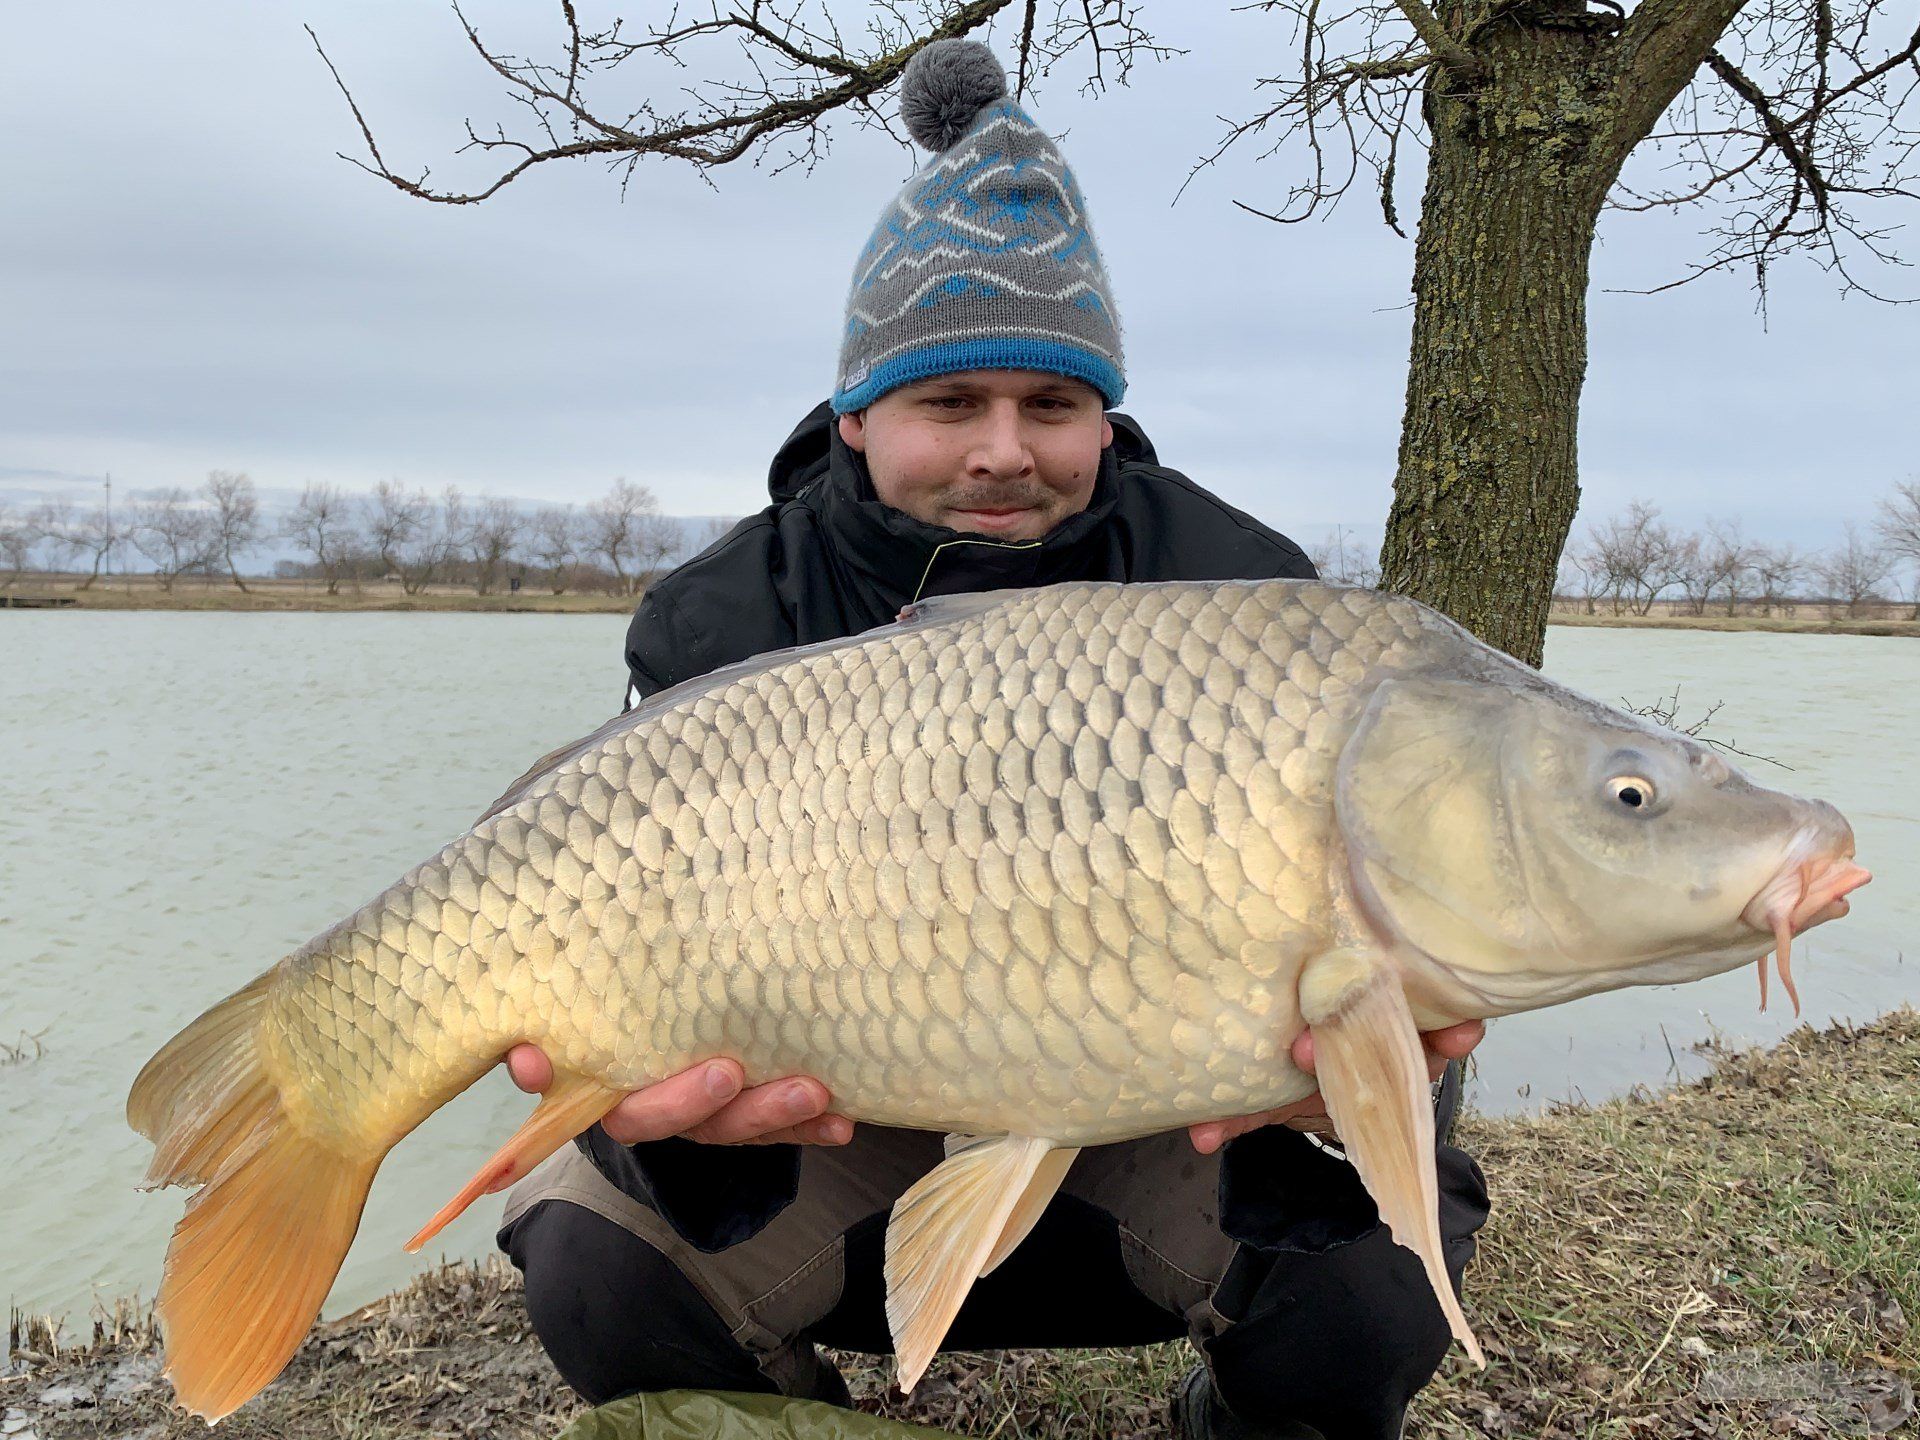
1129,1253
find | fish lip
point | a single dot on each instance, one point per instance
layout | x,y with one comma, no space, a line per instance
1809,888
1811,885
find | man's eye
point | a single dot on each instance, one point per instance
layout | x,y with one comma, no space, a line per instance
947,402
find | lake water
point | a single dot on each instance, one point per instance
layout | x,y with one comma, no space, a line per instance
183,798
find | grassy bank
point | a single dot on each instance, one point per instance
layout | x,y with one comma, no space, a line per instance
1736,1258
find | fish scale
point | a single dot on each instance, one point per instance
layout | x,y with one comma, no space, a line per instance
957,811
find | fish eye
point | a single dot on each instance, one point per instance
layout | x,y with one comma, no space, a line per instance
1631,792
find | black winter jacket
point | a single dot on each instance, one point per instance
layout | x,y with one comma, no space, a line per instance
828,559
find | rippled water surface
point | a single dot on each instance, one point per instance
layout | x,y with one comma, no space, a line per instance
183,798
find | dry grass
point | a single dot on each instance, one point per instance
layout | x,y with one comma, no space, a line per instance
1736,1258
450,1355
1758,1230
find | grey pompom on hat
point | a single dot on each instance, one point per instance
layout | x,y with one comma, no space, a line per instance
985,260
945,86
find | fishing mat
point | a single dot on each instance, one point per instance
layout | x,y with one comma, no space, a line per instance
723,1415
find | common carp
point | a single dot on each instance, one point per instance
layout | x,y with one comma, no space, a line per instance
1040,869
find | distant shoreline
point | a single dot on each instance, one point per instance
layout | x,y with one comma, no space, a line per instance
265,595
1744,624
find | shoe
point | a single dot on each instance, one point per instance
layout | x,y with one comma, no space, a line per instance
825,1384
1195,1413
831,1386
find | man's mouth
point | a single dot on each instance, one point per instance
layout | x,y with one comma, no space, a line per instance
994,518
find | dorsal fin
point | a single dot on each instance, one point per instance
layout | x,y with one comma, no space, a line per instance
920,615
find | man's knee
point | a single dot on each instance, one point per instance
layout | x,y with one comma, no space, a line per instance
1343,1340
614,1314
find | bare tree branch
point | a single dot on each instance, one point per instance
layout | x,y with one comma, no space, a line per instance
1439,40
726,122
1026,48
1659,48
1801,123
1778,134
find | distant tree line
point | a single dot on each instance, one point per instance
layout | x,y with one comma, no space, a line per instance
1630,562
615,543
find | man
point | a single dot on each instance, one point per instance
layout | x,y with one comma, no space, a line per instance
709,1235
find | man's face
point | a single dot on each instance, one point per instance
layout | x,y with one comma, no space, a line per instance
1006,453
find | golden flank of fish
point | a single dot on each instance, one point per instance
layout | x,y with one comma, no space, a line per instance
1041,869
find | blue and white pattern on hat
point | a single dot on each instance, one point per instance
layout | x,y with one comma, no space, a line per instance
984,261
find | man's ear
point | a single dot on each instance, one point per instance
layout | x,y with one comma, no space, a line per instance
853,430
1106,433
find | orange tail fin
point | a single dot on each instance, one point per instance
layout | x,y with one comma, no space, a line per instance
260,1244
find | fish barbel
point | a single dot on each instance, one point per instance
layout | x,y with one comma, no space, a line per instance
1040,869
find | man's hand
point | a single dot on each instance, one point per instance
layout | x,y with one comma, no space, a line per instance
1453,1043
710,1103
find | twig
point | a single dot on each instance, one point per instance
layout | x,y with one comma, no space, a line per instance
16,1053
1695,1303
1665,711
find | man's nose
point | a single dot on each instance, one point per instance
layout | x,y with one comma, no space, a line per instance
1000,445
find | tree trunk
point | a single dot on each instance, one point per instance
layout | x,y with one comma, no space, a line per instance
1488,482
1530,121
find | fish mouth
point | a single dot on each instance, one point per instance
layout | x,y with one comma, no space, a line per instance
1810,889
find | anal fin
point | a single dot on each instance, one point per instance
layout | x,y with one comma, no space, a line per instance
1373,1076
567,1107
960,1220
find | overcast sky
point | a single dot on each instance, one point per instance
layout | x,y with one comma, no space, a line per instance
191,279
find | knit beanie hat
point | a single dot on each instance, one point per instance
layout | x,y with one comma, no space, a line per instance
985,260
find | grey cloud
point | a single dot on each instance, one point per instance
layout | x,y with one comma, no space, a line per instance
194,281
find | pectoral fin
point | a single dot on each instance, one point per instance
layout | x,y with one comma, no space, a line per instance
963,1218
567,1107
1026,1214
1373,1076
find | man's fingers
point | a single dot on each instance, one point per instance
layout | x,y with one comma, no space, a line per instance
1208,1136
1308,1114
763,1111
827,1130
530,1068
674,1105
1456,1042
